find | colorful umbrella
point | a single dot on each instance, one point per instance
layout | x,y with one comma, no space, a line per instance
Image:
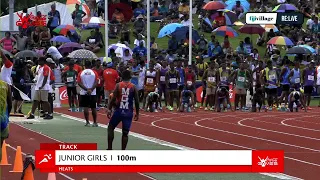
269,27
214,5
181,34
61,39
82,54
280,40
125,9
83,6
69,47
298,50
284,7
168,29
63,29
252,29
245,4
231,17
119,49
93,21
225,30
313,51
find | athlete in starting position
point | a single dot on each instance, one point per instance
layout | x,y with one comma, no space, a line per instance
123,97
185,97
296,97
153,98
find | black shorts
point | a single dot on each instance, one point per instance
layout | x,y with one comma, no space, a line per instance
308,89
285,87
272,91
71,91
88,101
181,87
99,91
16,93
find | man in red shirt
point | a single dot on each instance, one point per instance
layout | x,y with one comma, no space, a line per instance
220,20
99,70
110,78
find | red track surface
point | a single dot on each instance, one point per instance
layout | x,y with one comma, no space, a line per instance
298,134
30,141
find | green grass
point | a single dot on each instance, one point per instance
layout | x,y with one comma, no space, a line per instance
163,42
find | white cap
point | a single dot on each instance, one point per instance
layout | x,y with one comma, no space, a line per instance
49,60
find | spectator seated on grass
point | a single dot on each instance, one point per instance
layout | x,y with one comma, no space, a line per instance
138,41
74,37
220,20
238,9
139,26
93,43
117,20
138,11
163,9
184,7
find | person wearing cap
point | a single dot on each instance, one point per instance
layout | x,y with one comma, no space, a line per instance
42,89
308,81
88,80
70,79
110,78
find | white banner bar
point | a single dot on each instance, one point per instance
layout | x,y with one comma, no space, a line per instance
153,157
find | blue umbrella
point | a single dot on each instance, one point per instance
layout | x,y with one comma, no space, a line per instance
313,51
181,34
61,39
168,29
245,4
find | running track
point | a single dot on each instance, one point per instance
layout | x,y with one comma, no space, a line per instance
296,133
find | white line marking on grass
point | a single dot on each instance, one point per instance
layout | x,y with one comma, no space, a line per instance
64,175
283,123
279,132
176,146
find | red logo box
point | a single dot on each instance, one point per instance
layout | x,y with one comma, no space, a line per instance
268,161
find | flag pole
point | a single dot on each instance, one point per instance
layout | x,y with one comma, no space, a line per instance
106,27
148,33
190,33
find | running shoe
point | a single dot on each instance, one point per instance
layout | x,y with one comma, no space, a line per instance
70,109
30,116
201,107
170,108
309,108
206,109
95,125
48,117
189,109
270,109
87,125
237,108
156,110
212,109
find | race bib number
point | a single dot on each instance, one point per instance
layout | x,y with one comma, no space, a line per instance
211,79
70,79
173,80
271,77
297,80
241,79
189,83
162,78
149,80
223,78
310,78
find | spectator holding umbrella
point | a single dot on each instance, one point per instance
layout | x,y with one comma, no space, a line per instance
238,9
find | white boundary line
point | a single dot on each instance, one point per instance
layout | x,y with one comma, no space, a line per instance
176,146
64,175
283,123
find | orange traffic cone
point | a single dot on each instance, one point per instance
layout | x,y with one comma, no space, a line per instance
18,163
52,176
28,175
4,160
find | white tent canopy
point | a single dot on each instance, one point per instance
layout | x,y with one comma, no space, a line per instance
44,9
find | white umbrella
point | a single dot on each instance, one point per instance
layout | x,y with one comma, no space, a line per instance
119,49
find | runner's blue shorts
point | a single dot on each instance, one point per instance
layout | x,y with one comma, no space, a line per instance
125,118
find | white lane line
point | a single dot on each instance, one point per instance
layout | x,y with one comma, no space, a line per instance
176,146
64,175
285,124
279,132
